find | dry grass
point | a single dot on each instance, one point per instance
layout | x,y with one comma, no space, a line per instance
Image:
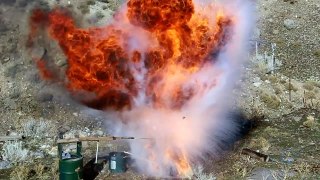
310,95
37,170
260,143
273,79
277,90
271,101
308,86
20,173
317,53
283,81
291,87
314,83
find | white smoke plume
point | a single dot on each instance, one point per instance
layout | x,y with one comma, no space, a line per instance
200,126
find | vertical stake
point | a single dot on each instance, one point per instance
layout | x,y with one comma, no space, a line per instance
97,150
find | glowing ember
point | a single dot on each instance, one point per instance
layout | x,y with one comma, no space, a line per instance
149,62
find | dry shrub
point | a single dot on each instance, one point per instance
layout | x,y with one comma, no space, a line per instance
14,152
283,81
314,83
303,170
271,101
310,122
20,173
39,169
310,95
291,87
277,90
55,169
260,143
38,128
273,79
308,86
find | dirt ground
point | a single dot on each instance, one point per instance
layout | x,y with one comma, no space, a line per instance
283,102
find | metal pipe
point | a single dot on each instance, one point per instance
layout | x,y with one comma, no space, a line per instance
97,150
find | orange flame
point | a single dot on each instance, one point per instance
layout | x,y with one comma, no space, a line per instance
101,63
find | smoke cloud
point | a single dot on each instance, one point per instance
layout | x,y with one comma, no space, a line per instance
162,70
202,126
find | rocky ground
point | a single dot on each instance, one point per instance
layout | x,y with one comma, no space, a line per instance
283,98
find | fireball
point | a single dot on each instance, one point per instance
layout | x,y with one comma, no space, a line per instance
158,61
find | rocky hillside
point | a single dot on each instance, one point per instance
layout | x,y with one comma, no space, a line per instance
281,93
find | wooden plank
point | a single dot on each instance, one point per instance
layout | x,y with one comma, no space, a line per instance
103,138
255,154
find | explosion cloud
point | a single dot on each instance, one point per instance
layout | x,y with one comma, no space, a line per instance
162,69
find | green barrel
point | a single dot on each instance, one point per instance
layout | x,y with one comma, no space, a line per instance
71,168
117,162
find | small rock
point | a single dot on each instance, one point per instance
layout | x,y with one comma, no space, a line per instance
75,114
53,151
289,24
310,122
45,146
98,133
38,53
270,20
257,84
83,134
69,135
7,59
38,155
12,133
4,165
288,160
275,31
64,129
61,62
296,119
86,129
45,97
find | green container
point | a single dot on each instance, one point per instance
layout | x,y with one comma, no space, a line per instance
117,162
71,168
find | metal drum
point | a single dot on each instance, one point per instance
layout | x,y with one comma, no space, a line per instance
117,162
71,167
